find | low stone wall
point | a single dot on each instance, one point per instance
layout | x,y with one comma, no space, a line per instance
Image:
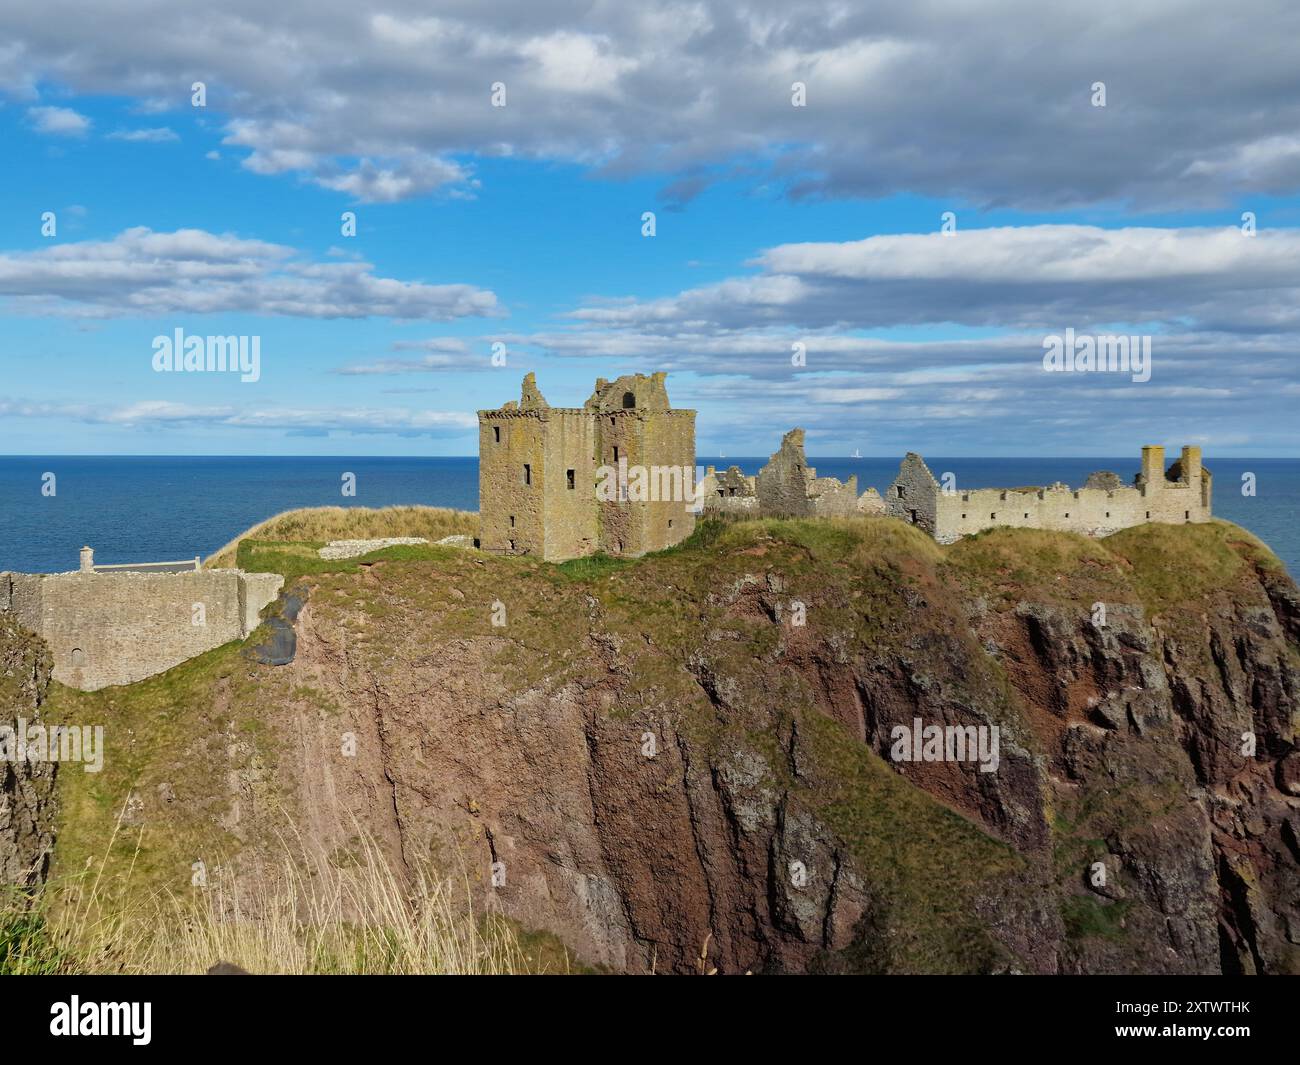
870,503
355,548
831,498
117,628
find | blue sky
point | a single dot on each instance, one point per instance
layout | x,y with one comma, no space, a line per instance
775,224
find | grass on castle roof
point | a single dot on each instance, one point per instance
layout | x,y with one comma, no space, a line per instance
322,524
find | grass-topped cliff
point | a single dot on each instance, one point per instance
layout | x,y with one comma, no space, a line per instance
462,710
319,525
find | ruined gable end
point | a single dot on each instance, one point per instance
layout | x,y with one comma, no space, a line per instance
788,487
913,495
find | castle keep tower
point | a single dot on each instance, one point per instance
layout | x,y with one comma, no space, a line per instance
615,475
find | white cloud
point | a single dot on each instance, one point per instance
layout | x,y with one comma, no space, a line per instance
154,135
371,183
968,102
58,121
140,272
1044,276
1044,253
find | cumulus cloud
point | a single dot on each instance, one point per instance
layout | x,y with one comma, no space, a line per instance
58,121
142,272
382,105
1044,276
444,355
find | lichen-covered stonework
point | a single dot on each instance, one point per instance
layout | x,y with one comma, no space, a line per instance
540,472
1104,505
787,487
120,627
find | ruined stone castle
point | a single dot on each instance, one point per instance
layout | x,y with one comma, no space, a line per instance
1102,506
611,475
788,487
540,469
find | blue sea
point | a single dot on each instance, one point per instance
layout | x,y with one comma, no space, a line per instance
144,508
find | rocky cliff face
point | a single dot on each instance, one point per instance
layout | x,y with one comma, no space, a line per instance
27,796
691,754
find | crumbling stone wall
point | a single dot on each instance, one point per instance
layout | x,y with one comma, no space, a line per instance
1180,495
539,468
120,627
729,492
870,503
788,487
914,495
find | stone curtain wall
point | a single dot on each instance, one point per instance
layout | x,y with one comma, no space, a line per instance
1091,511
116,628
830,498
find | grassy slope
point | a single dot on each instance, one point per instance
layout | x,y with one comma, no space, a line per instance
926,862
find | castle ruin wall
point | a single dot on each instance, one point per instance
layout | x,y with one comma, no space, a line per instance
117,628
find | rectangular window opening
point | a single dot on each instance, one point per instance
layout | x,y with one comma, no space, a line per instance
528,474
569,475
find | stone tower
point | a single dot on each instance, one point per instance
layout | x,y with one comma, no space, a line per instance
615,475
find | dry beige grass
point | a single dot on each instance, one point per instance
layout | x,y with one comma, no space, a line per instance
323,917
317,524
